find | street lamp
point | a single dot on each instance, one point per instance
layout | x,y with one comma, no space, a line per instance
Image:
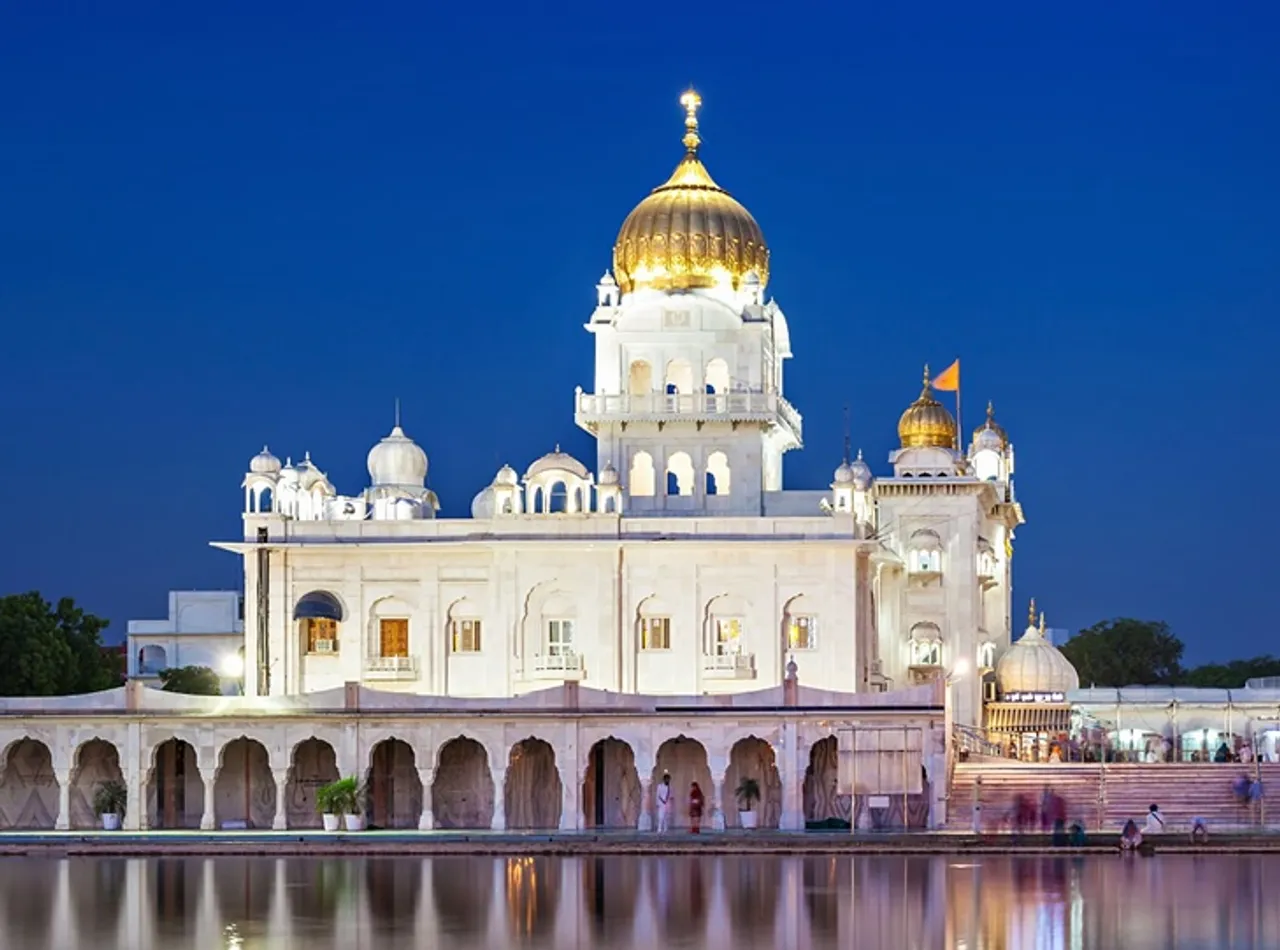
232,668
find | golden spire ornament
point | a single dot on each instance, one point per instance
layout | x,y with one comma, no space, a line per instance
691,102
1031,613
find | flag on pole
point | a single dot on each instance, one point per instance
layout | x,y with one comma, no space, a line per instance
949,379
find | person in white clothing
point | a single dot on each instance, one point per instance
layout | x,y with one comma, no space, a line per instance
663,798
1155,821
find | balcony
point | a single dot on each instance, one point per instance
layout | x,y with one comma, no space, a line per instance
563,666
595,409
391,668
729,666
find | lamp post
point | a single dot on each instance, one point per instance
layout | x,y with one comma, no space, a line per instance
232,668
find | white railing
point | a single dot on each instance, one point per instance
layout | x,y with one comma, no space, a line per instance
731,406
567,665
398,666
729,665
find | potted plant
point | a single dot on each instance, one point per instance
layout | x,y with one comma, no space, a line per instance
348,800
109,803
329,805
748,793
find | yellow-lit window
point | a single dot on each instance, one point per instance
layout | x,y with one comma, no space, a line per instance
655,633
728,636
320,635
465,636
802,633
394,637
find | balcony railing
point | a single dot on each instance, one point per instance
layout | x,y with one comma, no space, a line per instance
595,408
391,667
729,666
562,666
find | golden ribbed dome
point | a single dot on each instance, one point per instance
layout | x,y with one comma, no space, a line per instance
689,232
927,423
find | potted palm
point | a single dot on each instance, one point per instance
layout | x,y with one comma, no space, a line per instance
748,793
109,803
329,806
348,801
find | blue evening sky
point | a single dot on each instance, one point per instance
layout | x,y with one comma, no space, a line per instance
236,223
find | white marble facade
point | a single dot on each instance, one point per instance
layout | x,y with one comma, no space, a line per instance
679,563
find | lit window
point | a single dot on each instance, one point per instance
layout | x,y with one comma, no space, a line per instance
464,636
728,636
926,653
802,633
320,634
393,637
655,633
987,656
559,638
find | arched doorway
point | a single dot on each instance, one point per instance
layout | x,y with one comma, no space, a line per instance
611,793
314,766
244,791
823,802
97,761
533,795
394,789
28,787
175,790
685,760
752,757
462,792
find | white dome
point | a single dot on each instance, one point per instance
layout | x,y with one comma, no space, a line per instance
557,461
506,476
289,474
1034,665
844,474
398,460
308,474
861,473
482,504
264,463
988,440
608,474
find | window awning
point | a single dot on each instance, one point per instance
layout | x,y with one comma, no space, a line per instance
1028,717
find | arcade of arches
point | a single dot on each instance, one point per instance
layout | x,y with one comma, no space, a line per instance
536,773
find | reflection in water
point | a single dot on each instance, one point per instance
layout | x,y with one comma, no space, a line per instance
748,901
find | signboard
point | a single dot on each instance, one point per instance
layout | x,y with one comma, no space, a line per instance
880,761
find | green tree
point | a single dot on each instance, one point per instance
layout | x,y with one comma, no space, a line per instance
1126,652
196,680
1233,674
52,651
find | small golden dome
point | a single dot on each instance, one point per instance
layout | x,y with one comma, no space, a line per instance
926,423
689,232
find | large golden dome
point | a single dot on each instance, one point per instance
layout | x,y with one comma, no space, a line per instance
689,232
927,423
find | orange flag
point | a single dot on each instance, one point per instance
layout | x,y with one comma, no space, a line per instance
949,379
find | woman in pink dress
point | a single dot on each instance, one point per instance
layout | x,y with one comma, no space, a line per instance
696,801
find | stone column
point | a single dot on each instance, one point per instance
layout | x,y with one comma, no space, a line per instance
206,819
135,810
715,818
571,818
63,822
792,776
281,820
646,818
499,822
426,821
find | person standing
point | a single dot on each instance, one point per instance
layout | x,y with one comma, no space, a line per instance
663,798
696,802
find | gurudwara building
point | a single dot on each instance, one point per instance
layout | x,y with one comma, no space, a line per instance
668,606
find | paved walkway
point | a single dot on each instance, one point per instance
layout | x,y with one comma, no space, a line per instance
392,843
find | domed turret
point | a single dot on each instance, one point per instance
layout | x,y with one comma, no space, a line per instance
860,473
990,435
608,475
689,232
927,423
397,461
557,461
1034,665
264,463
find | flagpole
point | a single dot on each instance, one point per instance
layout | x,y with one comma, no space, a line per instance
959,425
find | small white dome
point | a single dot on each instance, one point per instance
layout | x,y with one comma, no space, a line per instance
506,476
844,474
482,504
607,280
398,460
308,474
988,440
289,474
557,461
608,474
1034,665
862,476
264,463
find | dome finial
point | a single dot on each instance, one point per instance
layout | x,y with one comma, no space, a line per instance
1042,623
991,411
691,102
397,412
925,391
1031,613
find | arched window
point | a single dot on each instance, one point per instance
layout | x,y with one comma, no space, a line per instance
536,507
986,559
610,505
726,618
986,655
717,474
152,659
318,614
680,474
654,621
717,376
640,378
465,628
559,496
924,552
640,481
800,625
926,645
391,628
679,377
